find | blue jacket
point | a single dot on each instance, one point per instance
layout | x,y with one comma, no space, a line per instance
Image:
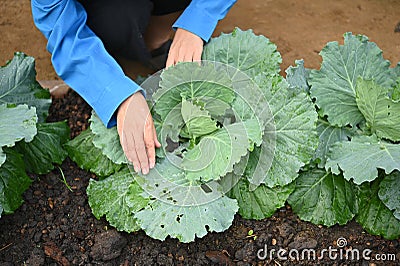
80,59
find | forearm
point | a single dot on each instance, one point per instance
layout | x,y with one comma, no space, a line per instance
79,57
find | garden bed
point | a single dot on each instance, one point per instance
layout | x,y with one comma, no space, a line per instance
55,225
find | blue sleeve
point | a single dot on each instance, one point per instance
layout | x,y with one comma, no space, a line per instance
201,16
80,59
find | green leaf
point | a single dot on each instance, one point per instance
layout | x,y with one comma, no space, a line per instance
290,143
46,147
16,123
250,102
107,140
13,182
361,157
167,182
198,83
260,203
381,112
161,219
297,77
245,51
18,85
373,215
118,197
83,152
389,192
334,85
395,93
198,122
171,126
216,153
323,198
328,135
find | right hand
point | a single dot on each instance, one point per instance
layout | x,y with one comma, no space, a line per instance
137,133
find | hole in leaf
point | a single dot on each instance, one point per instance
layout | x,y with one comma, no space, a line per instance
178,218
206,188
171,145
162,226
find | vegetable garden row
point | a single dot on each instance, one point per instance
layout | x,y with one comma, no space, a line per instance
237,138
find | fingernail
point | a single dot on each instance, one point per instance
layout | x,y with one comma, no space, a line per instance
145,171
152,164
136,169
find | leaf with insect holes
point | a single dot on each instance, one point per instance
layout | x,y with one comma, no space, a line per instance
117,197
160,219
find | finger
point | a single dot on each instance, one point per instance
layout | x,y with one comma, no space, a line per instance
128,146
141,153
156,141
171,57
197,54
186,56
170,61
149,143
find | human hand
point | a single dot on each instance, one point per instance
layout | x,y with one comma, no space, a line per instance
186,47
137,133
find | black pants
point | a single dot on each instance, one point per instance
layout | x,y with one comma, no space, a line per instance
120,24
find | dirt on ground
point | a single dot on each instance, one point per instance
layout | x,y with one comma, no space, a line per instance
55,226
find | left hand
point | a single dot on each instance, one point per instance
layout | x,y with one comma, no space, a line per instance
137,134
186,47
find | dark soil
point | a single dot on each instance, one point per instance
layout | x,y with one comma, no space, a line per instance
55,226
